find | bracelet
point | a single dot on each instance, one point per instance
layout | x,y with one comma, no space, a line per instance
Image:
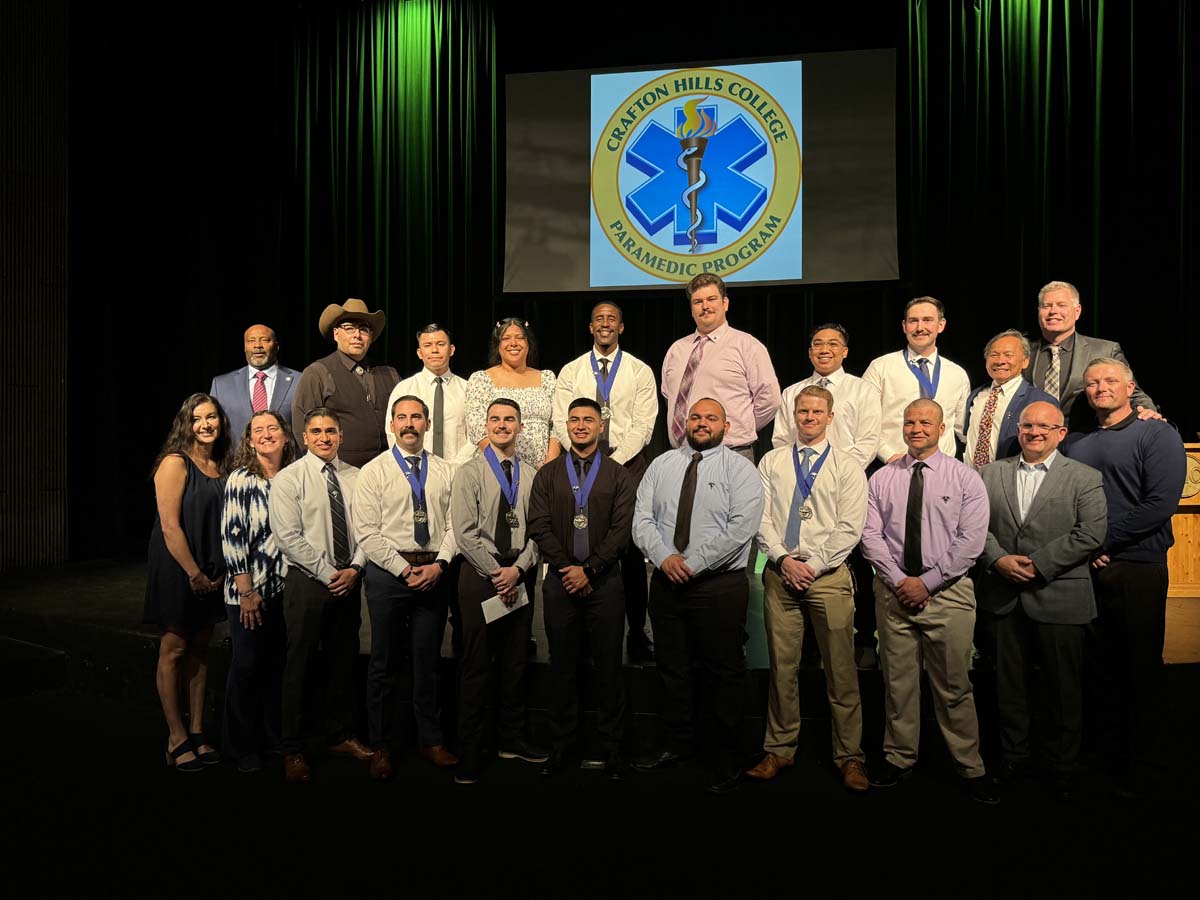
246,594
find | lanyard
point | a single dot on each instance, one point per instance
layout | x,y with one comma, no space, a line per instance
582,493
509,490
418,487
922,379
806,484
604,385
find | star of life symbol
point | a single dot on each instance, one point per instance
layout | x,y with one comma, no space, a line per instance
696,175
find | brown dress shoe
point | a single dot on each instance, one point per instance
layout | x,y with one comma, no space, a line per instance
353,748
381,765
854,776
440,756
295,769
769,767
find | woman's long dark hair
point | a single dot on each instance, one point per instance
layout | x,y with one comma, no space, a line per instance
246,456
531,358
181,437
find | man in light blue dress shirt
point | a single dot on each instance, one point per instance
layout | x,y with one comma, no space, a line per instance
698,509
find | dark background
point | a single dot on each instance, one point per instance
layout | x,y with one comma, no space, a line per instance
183,203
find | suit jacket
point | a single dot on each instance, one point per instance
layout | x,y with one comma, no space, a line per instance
232,390
1007,444
1065,525
1080,416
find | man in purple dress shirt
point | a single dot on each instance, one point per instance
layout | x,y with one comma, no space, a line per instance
927,521
718,361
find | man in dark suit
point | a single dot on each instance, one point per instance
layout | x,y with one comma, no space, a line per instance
1062,355
1048,516
991,420
260,384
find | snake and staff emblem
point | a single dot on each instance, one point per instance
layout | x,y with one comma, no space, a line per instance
693,133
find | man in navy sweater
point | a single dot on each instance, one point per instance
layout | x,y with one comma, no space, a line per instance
1144,465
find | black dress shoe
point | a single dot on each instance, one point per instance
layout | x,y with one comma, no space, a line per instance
724,782
887,775
615,767
249,764
555,765
982,790
663,759
522,749
1011,773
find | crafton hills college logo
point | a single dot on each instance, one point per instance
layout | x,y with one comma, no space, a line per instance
670,179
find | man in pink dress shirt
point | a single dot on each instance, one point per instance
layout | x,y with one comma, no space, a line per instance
718,361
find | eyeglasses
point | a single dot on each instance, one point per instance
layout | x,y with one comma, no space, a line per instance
1039,428
349,328
832,345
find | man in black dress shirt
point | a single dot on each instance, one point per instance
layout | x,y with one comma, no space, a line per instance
580,514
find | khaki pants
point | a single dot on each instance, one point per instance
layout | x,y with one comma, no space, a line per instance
939,638
828,606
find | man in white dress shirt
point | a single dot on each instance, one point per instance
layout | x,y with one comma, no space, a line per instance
815,505
312,504
918,371
624,385
402,522
993,410
447,434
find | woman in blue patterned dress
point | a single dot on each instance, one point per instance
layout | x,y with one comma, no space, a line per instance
254,593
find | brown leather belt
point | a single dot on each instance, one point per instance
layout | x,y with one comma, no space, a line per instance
419,558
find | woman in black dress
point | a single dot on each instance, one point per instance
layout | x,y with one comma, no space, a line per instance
185,569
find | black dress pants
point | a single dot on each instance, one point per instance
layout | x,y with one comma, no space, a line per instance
390,602
600,618
506,641
1132,601
1018,642
702,625
254,686
322,643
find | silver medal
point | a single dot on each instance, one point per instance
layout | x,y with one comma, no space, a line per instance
580,521
511,518
806,513
420,517
605,413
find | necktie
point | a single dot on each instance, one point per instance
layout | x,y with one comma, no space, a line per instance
258,399
503,529
824,382
337,515
983,445
792,537
1052,372
924,364
420,528
914,562
580,535
439,412
680,414
687,498
601,401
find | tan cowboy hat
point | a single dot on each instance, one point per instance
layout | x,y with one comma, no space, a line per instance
355,310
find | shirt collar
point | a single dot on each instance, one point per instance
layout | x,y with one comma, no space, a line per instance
834,377
1044,464
350,364
910,357
576,458
1009,387
716,334
270,371
685,449
932,461
819,447
1124,423
431,378
611,357
318,464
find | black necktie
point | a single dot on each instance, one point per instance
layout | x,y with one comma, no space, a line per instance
337,513
420,511
439,413
603,404
503,529
687,498
581,546
913,561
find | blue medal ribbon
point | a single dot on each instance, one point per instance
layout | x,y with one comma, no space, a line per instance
604,385
418,487
929,386
806,484
581,493
508,490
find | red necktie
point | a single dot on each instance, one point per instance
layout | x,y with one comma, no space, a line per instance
258,398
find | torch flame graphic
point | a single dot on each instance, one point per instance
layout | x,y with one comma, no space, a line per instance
693,134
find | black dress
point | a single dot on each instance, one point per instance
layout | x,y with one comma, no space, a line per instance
170,601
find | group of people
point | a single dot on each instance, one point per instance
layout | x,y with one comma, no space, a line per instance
437,497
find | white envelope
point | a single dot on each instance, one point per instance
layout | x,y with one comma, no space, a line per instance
494,608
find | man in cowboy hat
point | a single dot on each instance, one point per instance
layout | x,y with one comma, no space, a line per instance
349,383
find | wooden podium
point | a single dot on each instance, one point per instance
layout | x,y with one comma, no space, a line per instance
1183,559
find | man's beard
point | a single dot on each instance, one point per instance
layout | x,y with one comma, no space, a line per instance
706,443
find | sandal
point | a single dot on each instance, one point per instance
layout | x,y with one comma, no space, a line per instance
211,758
192,765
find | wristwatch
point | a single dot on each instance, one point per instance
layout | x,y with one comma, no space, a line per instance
441,562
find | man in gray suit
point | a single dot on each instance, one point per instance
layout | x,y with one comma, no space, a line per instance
260,384
1062,355
1033,584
